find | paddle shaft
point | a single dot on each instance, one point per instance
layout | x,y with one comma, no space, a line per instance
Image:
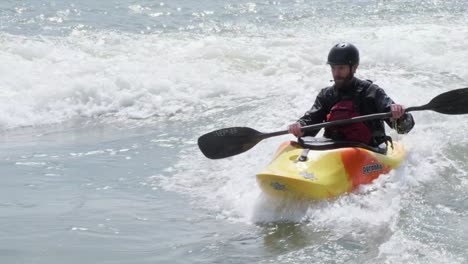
328,124
341,122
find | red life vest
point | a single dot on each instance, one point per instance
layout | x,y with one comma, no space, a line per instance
357,132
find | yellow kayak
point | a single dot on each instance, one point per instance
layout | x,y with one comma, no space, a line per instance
317,170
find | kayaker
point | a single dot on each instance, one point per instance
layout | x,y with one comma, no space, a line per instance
350,97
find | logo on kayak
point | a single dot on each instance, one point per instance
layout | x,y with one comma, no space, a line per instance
278,186
372,168
307,175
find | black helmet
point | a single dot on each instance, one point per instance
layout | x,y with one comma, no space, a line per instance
343,53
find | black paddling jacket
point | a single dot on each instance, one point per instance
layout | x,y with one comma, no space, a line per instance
368,98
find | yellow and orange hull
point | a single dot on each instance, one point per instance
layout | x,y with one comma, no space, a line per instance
325,173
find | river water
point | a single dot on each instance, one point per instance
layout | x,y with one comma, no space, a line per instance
102,102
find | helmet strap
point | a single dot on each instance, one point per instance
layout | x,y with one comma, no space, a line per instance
351,73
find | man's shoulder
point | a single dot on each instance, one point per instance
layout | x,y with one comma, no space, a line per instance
327,90
364,83
367,85
326,95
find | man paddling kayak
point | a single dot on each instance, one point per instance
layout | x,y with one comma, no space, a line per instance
350,97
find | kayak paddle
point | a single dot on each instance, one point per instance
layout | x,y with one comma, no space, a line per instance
231,141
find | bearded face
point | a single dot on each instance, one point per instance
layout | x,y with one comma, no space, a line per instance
342,74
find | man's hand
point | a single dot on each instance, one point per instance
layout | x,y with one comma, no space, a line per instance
397,110
295,129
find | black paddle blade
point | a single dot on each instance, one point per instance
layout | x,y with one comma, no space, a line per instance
453,102
228,142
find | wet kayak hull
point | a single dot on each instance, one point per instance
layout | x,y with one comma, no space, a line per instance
324,173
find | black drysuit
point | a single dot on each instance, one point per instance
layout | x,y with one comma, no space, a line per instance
368,98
